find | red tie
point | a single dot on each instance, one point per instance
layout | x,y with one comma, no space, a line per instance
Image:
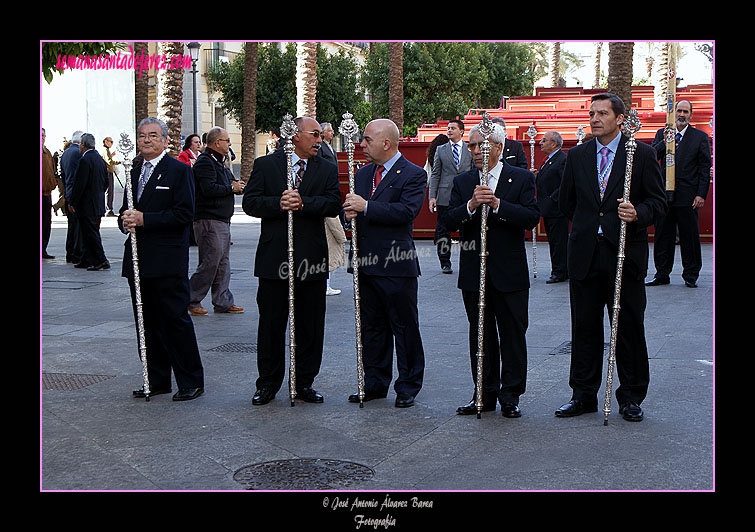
377,178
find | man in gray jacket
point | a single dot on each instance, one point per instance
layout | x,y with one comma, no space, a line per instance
451,159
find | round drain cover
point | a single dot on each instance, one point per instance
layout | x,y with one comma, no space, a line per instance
302,474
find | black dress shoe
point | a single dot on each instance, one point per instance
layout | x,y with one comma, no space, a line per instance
575,407
263,396
309,395
471,408
555,279
510,410
368,396
658,281
187,394
102,266
690,284
81,265
631,411
404,400
152,391
46,255
446,268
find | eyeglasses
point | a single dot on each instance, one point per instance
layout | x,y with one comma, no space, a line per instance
225,140
152,136
315,134
472,146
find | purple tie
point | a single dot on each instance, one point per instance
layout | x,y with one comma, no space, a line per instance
603,169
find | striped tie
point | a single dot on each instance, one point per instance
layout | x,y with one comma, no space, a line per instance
146,173
604,169
456,154
302,164
377,178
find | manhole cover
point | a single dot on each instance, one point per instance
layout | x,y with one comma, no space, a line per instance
302,474
235,348
565,349
68,285
70,381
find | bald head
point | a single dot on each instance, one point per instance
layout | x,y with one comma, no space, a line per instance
380,141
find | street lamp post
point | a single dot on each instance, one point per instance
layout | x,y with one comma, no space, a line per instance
194,51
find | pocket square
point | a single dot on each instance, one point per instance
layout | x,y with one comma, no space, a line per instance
162,188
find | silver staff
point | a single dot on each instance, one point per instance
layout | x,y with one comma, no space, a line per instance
348,129
288,130
531,133
631,126
125,146
486,129
580,134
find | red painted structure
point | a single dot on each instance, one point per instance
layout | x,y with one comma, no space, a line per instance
560,109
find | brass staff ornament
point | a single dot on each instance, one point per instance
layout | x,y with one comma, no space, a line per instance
486,129
349,129
631,126
125,146
532,133
288,130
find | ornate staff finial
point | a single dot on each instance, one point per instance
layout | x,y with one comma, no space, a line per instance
632,123
580,134
348,128
486,126
288,127
531,133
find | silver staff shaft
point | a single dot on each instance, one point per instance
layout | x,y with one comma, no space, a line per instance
288,130
631,126
125,146
348,129
532,132
486,128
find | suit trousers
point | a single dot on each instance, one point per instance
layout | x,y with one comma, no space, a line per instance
442,238
686,219
557,229
309,316
389,315
73,238
214,268
589,298
92,252
505,345
46,221
169,333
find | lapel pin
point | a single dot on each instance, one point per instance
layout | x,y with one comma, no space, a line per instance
398,171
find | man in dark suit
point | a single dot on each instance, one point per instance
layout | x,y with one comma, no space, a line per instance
692,178
388,195
548,185
591,196
326,150
163,190
69,165
510,196
88,202
451,159
513,151
317,196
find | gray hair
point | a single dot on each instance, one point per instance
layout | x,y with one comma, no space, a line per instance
325,125
214,134
76,137
151,120
498,136
87,140
557,138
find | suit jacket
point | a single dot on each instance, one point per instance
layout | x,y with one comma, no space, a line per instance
384,233
507,269
513,153
548,185
444,170
328,153
69,165
321,197
90,184
692,162
167,203
579,200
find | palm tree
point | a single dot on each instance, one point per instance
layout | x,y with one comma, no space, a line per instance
620,71
555,64
306,79
170,95
141,87
596,80
396,84
249,113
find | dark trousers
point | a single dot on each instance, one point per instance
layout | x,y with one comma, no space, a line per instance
686,219
110,192
46,221
557,229
389,315
169,333
73,238
504,365
442,238
309,317
589,299
92,252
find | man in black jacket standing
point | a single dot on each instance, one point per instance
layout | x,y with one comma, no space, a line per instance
214,188
548,185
